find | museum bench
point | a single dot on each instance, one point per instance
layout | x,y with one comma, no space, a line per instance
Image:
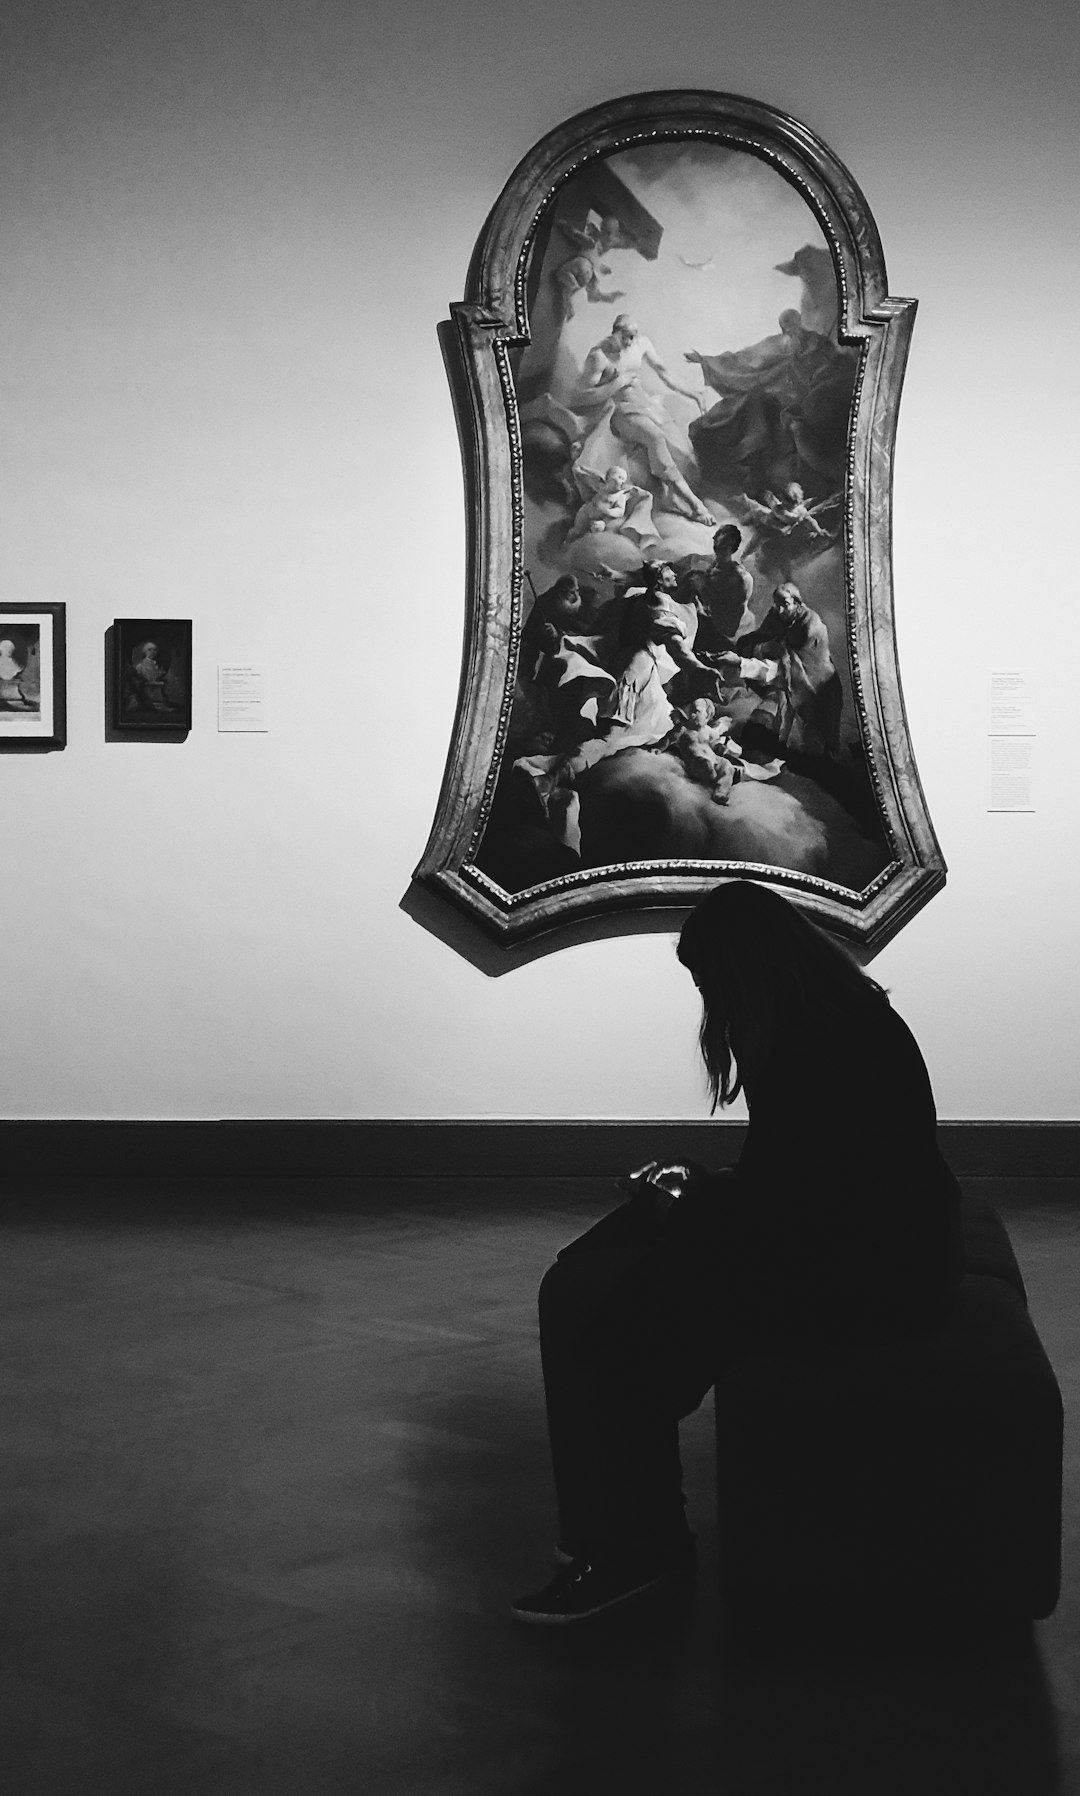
924,1474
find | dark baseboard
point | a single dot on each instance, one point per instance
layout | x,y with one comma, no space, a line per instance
356,1150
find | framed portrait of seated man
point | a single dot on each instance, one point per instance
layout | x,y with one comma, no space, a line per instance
149,683
676,370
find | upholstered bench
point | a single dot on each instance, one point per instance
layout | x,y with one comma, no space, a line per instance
921,1474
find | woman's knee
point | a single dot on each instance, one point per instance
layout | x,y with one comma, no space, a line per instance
553,1293
568,1295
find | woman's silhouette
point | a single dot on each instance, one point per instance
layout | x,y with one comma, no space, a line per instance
839,1225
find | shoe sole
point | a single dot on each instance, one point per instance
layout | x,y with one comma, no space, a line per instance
538,1618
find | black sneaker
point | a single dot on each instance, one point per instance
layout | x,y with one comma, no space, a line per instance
580,1590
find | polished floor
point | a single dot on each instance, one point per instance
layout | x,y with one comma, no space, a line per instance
275,1461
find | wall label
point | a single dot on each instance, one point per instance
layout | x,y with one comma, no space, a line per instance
1011,740
243,698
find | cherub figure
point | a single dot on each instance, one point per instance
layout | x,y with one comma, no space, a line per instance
702,741
786,526
582,271
774,513
616,505
779,521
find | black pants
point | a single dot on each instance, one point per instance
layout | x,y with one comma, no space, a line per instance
638,1319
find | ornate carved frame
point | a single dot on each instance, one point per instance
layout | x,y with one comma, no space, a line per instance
476,342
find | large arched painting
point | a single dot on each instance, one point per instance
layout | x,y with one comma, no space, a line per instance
677,372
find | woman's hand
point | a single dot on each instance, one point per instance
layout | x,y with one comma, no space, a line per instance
645,1191
658,1185
673,1179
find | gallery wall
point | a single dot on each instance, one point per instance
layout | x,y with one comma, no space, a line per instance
229,231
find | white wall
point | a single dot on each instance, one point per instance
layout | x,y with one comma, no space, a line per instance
229,231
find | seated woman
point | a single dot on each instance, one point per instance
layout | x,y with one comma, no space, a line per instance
839,1226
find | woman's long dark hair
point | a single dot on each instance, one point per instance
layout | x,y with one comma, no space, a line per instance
763,969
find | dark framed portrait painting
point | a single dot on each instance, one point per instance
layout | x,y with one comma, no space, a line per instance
33,706
677,370
150,687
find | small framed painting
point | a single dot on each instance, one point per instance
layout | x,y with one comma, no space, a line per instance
33,710
150,689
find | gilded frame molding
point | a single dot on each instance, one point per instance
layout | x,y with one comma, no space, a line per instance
478,340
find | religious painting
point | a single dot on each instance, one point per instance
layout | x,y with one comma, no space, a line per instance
150,688
677,374
32,677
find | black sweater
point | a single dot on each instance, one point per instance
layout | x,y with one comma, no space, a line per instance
841,1200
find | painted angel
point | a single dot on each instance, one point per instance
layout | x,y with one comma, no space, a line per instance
701,740
615,505
785,525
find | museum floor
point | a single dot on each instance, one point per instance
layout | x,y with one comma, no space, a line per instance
276,1462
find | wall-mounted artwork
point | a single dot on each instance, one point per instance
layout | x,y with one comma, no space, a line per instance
150,685
33,712
677,371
